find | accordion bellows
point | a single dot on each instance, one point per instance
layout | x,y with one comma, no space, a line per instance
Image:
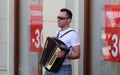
49,60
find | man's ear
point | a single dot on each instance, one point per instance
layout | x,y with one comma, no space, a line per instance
69,20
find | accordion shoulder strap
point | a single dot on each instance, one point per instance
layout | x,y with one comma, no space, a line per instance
64,33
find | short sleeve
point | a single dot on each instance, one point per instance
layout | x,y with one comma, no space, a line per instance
75,39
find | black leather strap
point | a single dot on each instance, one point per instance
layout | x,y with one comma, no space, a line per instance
63,34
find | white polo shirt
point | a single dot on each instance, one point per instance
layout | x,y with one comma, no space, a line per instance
70,39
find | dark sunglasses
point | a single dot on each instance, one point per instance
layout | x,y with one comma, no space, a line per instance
61,18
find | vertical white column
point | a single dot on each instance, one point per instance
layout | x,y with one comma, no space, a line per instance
79,27
10,37
75,63
8,40
76,15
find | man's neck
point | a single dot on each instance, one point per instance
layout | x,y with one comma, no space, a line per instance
64,28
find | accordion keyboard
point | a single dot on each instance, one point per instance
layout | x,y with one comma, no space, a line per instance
52,60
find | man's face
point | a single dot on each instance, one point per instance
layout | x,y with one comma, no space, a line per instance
62,19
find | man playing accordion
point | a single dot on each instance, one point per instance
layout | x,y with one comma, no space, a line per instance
71,39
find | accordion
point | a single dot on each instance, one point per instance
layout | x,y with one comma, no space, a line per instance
49,60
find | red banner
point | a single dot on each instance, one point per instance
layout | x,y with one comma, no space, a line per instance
36,25
111,50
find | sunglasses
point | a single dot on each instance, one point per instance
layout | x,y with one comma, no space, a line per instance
61,18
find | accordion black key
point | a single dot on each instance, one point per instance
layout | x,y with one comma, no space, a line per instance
49,60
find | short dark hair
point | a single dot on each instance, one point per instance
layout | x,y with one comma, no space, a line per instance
69,13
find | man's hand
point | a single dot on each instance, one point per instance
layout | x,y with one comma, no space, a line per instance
60,53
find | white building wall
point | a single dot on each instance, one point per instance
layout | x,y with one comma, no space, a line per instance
3,37
50,11
6,37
